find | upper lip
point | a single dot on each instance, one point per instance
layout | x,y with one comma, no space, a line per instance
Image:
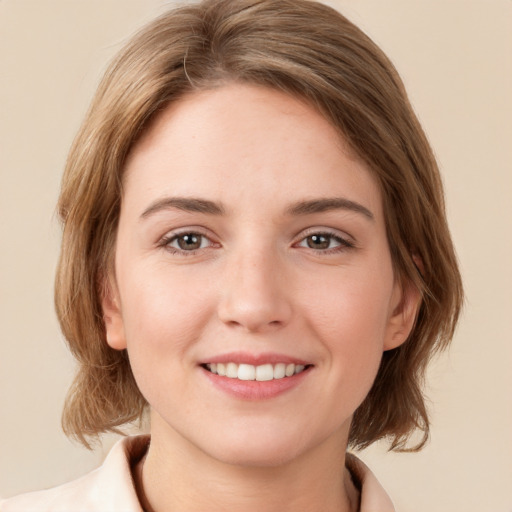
255,359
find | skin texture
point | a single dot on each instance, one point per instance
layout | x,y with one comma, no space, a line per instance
258,282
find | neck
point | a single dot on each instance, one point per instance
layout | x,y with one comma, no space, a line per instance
177,476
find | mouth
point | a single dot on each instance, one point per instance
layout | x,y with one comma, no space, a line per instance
260,373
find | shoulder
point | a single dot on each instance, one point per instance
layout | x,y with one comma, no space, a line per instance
373,496
109,488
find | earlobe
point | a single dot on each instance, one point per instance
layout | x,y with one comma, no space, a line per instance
403,317
112,317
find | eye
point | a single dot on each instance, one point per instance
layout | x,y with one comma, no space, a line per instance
326,242
186,242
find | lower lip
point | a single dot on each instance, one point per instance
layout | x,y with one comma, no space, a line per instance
253,389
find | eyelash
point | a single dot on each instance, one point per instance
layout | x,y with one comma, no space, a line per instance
167,240
344,243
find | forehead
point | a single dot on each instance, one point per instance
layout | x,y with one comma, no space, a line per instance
244,140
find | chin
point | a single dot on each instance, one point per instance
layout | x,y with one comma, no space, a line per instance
265,446
262,454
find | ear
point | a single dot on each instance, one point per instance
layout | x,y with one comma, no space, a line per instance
112,317
404,309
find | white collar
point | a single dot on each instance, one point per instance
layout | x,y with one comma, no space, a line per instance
111,488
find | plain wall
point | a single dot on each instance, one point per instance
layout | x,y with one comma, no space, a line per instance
455,57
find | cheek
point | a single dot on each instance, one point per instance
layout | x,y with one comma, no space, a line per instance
351,306
161,329
163,316
350,317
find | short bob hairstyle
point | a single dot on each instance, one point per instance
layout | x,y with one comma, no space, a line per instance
312,52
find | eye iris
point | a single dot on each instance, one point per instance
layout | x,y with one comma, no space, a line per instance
189,242
318,242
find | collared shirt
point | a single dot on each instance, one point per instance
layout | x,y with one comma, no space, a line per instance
111,488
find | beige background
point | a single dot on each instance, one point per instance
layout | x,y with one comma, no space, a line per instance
456,59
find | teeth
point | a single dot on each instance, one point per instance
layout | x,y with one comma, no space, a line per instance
232,370
264,372
246,372
279,371
260,373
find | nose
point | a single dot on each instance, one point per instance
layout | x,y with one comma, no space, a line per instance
255,296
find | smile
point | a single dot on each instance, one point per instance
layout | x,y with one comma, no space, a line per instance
248,372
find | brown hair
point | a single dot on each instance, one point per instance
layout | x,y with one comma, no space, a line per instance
302,48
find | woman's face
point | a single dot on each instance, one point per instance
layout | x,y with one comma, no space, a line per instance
251,242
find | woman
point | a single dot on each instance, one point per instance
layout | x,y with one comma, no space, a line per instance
255,253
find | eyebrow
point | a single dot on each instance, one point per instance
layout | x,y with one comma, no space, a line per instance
187,204
327,204
197,205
